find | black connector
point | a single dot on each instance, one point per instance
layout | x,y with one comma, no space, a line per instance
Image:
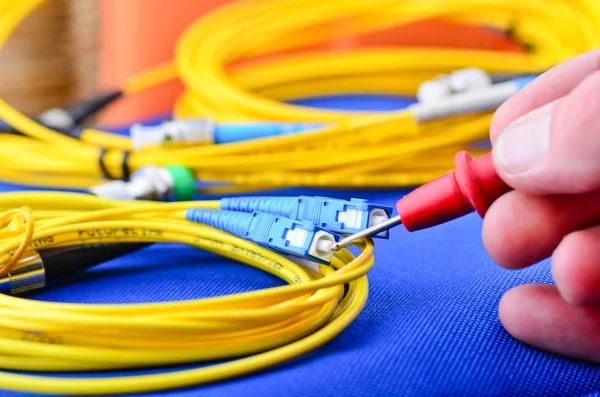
68,120
82,110
60,263
6,128
38,269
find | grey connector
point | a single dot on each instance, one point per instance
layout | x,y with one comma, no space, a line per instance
147,183
190,131
28,274
57,118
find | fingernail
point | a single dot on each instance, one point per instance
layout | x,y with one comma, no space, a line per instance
524,144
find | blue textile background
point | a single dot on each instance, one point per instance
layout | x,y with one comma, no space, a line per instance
430,326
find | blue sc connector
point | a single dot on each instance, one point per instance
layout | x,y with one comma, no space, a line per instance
288,236
237,132
336,215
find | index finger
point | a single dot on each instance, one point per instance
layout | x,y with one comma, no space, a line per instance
550,86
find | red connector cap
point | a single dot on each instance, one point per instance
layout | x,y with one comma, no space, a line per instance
473,186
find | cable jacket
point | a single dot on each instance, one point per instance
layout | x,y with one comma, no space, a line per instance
231,335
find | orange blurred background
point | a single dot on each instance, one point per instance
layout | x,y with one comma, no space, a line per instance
138,34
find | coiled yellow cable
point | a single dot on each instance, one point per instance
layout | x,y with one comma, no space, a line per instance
226,61
263,327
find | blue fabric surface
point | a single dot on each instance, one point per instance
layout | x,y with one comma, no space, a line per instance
430,326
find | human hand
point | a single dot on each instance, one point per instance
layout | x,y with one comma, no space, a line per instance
546,145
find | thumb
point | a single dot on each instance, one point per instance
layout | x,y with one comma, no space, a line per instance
555,149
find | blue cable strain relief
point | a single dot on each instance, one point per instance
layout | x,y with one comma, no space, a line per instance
336,215
522,81
283,206
236,132
236,223
288,236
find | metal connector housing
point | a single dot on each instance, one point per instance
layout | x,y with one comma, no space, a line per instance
147,183
28,274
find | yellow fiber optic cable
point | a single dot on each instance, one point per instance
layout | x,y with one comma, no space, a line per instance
253,330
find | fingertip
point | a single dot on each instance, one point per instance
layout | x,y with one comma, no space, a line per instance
513,312
495,238
566,275
548,87
520,229
576,267
538,316
512,240
506,310
502,118
553,149
523,313
510,112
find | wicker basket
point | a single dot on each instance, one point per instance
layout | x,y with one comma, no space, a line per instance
51,58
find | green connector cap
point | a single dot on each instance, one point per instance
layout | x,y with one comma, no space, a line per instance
184,182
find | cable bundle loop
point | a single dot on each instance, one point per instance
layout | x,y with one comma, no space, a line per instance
243,62
248,331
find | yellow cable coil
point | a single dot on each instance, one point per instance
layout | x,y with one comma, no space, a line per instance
362,150
255,329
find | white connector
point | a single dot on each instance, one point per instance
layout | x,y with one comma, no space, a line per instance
376,217
459,81
57,118
434,90
148,183
191,131
468,79
321,246
484,99
296,237
351,218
